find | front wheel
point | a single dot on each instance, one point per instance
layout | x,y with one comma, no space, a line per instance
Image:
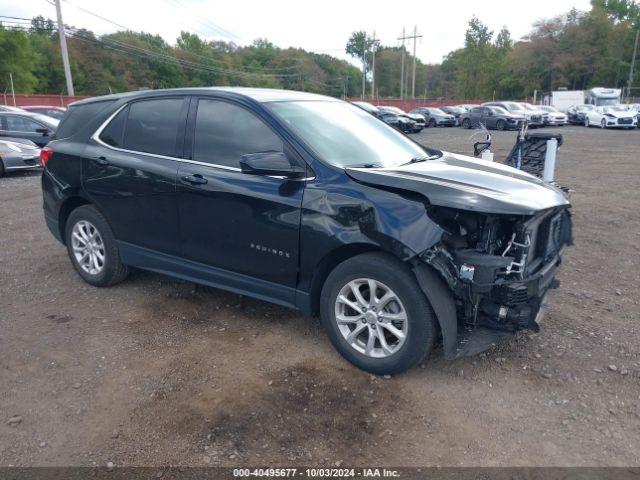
586,122
603,123
501,125
375,314
92,248
466,123
432,123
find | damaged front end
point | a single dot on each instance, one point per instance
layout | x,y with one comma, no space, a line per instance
499,268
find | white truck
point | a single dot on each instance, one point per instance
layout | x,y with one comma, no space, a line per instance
603,96
598,96
563,99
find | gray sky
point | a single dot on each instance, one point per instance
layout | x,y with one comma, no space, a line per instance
323,27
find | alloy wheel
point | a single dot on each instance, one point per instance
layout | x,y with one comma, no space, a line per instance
371,317
88,247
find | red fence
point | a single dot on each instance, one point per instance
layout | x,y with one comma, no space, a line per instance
409,104
64,100
23,100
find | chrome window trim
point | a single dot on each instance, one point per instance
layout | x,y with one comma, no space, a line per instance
96,138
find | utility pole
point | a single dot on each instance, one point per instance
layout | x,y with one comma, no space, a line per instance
373,65
633,64
63,49
364,67
13,92
404,37
413,80
402,67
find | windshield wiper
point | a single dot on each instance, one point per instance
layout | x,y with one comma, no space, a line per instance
424,158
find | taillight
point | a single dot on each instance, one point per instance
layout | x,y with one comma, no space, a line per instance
45,156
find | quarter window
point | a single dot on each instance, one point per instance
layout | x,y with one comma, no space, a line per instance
152,126
224,132
113,133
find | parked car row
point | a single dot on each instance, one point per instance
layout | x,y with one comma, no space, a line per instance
505,115
22,133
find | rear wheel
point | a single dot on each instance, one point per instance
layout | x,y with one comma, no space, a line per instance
375,314
501,125
92,248
466,123
432,123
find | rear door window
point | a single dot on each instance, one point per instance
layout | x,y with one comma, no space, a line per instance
152,126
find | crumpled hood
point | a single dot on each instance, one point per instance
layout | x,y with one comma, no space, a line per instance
458,181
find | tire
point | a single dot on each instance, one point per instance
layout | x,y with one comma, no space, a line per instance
1,169
88,220
603,123
501,125
586,122
432,123
466,123
390,275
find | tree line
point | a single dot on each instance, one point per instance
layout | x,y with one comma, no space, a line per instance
126,60
577,50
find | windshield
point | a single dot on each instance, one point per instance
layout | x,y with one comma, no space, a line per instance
499,110
547,108
513,107
616,108
528,107
395,110
607,101
344,135
436,111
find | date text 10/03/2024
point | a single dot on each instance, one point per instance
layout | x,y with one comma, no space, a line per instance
316,472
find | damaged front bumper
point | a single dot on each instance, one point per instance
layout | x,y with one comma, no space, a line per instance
497,294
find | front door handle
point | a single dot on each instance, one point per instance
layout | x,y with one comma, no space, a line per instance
102,161
194,179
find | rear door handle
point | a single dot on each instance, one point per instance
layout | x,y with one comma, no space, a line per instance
196,179
102,161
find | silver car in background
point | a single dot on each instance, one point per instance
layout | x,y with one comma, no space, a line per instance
18,154
555,116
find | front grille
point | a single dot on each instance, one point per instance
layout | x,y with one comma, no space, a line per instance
553,234
536,118
511,294
29,161
625,121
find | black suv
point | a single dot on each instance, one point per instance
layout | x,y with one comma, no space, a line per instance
308,202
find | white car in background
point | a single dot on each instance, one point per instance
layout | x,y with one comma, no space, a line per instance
615,116
555,117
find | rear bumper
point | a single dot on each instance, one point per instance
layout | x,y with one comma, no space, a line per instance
53,226
14,163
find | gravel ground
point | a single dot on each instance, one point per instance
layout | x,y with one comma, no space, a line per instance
156,371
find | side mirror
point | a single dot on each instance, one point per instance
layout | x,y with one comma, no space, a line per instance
43,131
270,164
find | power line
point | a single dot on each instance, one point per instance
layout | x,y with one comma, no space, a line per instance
192,53
181,62
203,21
